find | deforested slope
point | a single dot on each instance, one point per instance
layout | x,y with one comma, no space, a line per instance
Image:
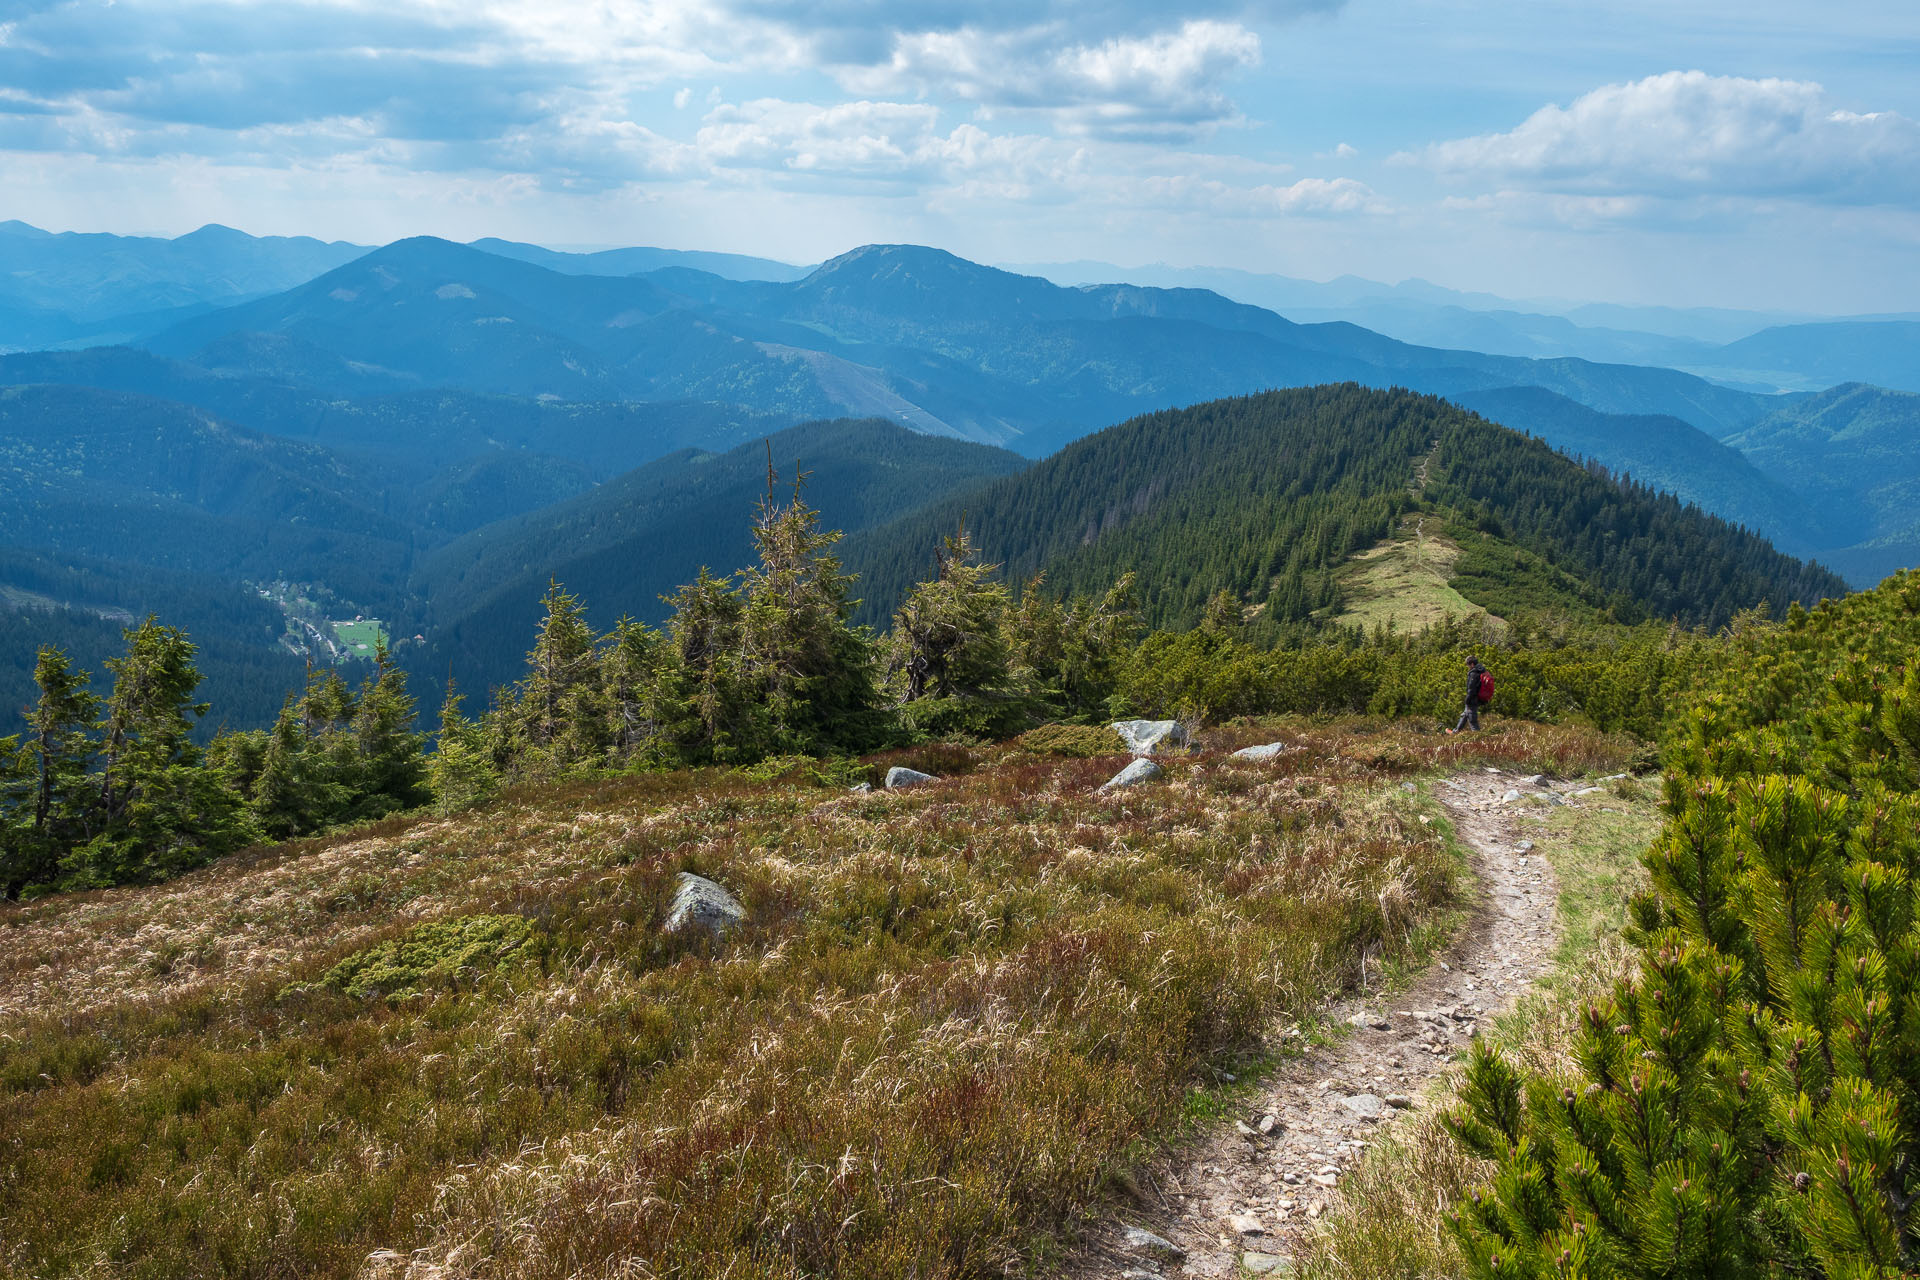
1266,496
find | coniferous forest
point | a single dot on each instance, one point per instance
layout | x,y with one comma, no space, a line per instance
1162,522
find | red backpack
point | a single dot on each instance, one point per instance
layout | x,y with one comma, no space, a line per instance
1486,685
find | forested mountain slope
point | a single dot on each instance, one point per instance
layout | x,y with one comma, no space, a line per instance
1264,496
150,482
632,540
418,432
1854,451
1678,458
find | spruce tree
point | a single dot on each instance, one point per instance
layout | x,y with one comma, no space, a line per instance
949,637
21,859
630,681
705,689
58,748
159,810
293,792
554,717
389,767
460,772
812,671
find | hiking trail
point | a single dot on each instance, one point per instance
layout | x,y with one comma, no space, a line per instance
1240,1200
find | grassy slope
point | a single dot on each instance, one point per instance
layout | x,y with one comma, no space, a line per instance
1404,582
954,1011
1389,1221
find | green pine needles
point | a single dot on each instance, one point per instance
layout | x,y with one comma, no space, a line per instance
1745,1102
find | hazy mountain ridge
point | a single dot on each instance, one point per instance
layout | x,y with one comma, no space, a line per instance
1756,350
984,352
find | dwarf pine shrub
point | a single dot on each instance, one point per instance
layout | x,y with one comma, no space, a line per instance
1745,1100
439,948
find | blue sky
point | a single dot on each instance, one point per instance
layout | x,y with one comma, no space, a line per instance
1758,154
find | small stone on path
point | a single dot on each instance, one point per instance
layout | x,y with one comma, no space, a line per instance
1141,1240
1368,1105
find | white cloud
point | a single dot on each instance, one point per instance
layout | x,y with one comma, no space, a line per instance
897,142
1686,133
1161,84
1325,196
850,138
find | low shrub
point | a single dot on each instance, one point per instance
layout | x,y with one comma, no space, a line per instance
438,949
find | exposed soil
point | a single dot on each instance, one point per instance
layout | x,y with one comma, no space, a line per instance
1241,1199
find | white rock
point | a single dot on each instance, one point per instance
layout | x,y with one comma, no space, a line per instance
1143,1241
1534,780
1245,1224
1510,796
899,776
1266,751
1255,1263
700,903
1141,770
860,788
1144,737
1368,1105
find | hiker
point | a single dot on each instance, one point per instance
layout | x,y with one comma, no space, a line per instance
1479,693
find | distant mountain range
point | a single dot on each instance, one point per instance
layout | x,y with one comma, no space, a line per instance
942,345
1763,351
429,430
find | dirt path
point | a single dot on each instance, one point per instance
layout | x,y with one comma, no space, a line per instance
1246,1195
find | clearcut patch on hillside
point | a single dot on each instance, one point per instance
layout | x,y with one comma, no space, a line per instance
1402,583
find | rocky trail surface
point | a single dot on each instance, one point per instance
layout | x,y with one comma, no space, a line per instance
1241,1200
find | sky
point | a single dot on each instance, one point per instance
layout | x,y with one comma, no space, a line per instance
1756,154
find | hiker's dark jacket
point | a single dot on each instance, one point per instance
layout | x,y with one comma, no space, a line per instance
1473,685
